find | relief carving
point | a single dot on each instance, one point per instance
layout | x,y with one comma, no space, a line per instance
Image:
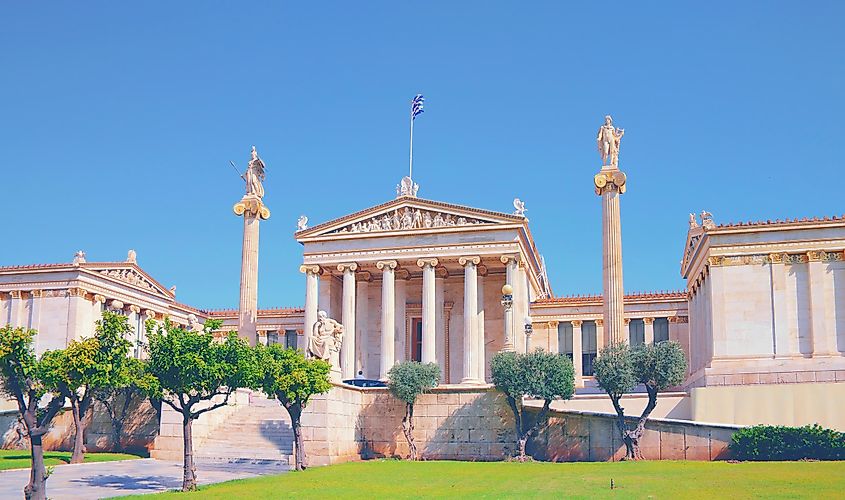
408,219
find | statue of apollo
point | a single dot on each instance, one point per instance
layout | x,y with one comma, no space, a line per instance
608,141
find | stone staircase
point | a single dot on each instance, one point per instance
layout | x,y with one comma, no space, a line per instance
259,433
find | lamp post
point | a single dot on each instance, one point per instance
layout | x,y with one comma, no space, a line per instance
507,303
529,329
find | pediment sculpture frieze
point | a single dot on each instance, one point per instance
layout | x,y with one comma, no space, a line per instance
408,219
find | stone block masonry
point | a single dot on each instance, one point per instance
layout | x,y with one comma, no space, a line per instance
476,424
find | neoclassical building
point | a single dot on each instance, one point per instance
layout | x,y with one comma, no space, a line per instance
762,318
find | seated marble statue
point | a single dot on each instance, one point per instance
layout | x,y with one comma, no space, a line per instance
326,338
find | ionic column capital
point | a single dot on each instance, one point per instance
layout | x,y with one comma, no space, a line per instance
423,263
441,272
715,261
117,305
508,258
135,309
600,322
99,298
149,313
310,269
553,324
576,323
36,293
778,258
648,321
15,294
472,259
816,255
350,266
627,321
389,264
364,276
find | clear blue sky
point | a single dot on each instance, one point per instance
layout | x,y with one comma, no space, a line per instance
119,120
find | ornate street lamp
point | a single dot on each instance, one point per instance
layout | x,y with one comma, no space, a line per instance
529,329
507,303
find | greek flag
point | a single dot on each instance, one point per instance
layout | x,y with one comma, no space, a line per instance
417,105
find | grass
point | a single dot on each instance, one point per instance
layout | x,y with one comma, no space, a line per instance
20,459
399,479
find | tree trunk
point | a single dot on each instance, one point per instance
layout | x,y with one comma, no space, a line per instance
632,443
517,422
295,412
634,436
37,487
408,429
79,433
189,479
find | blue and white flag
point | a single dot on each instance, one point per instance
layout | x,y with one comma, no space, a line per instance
417,105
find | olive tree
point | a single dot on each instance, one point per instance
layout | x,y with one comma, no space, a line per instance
85,366
21,377
407,381
537,374
193,374
292,379
620,368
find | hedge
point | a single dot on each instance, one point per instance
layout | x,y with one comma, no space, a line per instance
777,442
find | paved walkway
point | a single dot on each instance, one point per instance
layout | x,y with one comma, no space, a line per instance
108,479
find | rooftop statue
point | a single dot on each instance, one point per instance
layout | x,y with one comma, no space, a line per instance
302,223
254,176
608,141
519,205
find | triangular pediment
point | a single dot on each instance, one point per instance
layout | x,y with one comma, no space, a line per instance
408,213
693,239
130,274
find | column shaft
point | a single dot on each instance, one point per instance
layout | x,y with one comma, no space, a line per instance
649,330
387,318
479,333
362,327
577,353
613,307
312,290
470,320
248,308
429,313
347,347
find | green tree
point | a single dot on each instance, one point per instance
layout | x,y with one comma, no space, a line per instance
407,381
21,380
130,388
86,365
292,379
193,374
620,368
537,374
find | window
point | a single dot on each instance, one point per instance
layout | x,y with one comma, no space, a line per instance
272,338
290,339
564,338
661,330
416,339
636,332
588,347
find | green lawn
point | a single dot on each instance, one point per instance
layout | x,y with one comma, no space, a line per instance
19,459
399,479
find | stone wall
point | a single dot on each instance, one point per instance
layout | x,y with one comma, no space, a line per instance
476,424
139,431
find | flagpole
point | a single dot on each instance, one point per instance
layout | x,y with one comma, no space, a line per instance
411,153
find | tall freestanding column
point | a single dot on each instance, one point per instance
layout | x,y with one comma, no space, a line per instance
312,291
429,311
610,184
347,347
388,299
252,209
470,319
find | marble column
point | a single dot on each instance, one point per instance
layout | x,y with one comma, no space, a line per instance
481,360
312,292
388,296
16,317
823,334
252,210
441,340
627,322
470,319
401,349
35,316
783,343
649,330
610,184
347,347
134,317
601,341
362,324
577,353
429,312
510,275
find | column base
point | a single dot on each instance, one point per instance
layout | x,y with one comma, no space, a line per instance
472,381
